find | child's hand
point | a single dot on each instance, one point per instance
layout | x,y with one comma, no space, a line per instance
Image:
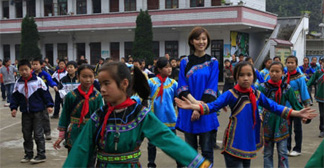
185,103
57,143
55,88
195,115
13,113
306,113
50,110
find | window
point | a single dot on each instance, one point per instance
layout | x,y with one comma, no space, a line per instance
31,8
217,52
114,51
62,7
95,52
96,6
5,9
49,53
19,9
171,48
6,51
171,4
114,5
130,5
17,51
216,2
81,6
197,3
153,4
128,49
80,49
156,48
61,50
48,7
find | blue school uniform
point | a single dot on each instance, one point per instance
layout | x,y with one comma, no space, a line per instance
265,74
298,83
199,77
46,77
164,109
241,138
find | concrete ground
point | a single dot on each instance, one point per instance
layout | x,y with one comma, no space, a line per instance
11,145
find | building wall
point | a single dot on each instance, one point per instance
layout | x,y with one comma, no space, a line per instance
256,43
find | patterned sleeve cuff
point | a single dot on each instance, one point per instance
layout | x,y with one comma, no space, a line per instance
210,92
307,102
286,113
60,128
182,89
199,161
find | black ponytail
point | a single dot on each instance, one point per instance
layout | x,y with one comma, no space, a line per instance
140,84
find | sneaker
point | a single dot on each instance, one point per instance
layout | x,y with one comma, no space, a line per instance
38,159
294,153
321,135
151,165
6,105
54,117
48,137
26,159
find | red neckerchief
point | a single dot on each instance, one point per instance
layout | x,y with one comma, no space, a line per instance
305,67
26,87
126,103
161,87
230,68
278,92
59,71
252,99
85,107
313,64
7,68
289,74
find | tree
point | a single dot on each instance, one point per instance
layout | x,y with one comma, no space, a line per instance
29,39
142,48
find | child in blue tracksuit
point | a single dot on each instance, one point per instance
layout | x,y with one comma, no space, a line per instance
47,79
31,95
57,76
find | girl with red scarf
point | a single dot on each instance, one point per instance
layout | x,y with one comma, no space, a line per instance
116,130
243,136
78,106
298,82
276,128
163,91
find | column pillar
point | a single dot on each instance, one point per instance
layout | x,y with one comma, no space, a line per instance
89,7
24,6
121,6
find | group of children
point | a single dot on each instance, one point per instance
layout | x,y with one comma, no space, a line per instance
105,126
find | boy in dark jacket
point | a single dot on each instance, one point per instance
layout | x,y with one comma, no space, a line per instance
32,95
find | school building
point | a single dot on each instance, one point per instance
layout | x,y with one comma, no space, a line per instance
105,28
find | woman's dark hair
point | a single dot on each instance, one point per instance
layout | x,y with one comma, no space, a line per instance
24,62
277,63
38,60
195,33
137,84
85,66
306,58
265,61
238,68
294,57
161,63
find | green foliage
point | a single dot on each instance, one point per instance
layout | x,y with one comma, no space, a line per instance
29,39
142,48
285,8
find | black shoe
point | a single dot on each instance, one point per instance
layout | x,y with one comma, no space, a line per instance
54,117
38,159
151,165
216,146
26,159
